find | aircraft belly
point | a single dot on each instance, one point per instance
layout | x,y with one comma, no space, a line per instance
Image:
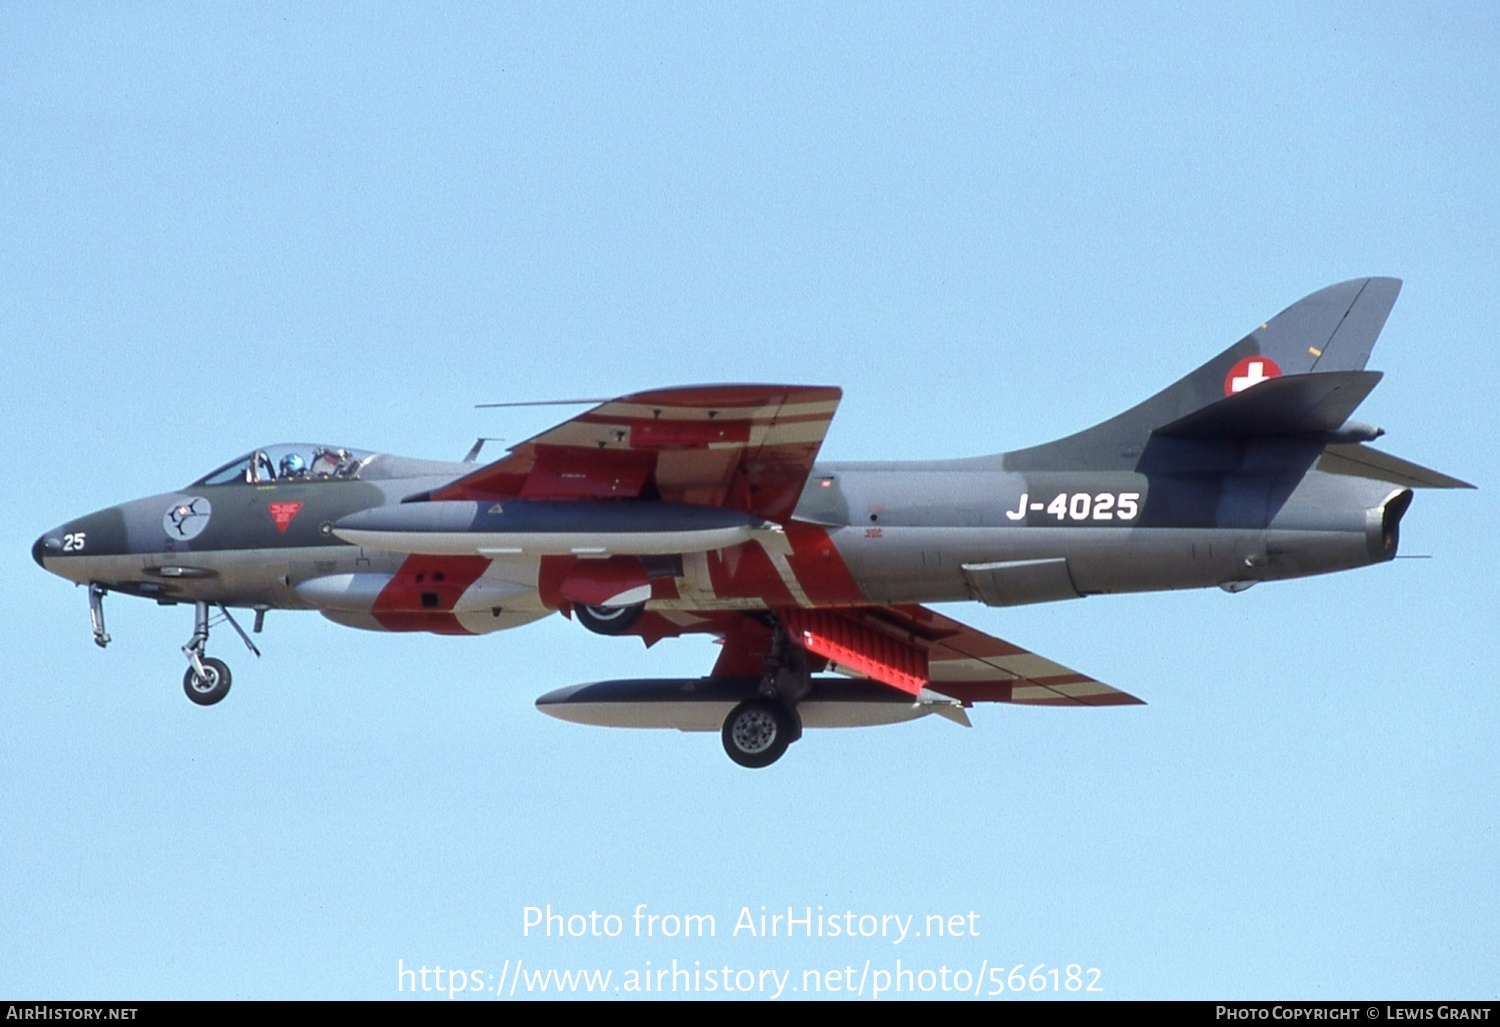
233,577
279,579
708,603
83,569
462,595
1161,559
361,592
910,565
1297,554
470,623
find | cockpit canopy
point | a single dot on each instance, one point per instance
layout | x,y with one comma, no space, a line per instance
291,461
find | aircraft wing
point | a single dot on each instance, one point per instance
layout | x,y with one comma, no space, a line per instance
911,648
973,666
742,447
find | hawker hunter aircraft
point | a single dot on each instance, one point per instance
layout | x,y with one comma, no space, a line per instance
703,510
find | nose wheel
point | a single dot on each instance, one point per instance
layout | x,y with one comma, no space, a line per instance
207,679
208,686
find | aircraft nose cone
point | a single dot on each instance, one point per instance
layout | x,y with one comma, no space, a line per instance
38,550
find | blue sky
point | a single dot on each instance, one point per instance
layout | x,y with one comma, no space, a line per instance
991,225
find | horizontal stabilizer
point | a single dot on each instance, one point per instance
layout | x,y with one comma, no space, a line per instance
1360,461
1297,404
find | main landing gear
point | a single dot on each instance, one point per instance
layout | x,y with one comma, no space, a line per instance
207,679
608,620
758,731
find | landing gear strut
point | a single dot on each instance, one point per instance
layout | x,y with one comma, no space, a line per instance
96,613
207,679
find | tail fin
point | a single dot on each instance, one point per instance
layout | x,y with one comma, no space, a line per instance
1328,333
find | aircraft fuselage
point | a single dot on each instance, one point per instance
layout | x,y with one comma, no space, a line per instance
915,532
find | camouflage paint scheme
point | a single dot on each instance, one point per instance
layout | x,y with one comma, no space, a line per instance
702,509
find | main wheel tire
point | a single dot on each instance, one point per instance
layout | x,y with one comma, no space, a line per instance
205,691
757,732
609,620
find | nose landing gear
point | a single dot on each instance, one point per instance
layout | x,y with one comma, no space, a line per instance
209,685
207,679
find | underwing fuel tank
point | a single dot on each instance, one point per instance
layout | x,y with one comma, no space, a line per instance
523,527
702,704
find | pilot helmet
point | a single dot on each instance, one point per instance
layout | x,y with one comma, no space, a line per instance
292,465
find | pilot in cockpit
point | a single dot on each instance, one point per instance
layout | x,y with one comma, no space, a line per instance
293,467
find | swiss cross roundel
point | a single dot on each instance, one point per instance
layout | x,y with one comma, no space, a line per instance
1250,371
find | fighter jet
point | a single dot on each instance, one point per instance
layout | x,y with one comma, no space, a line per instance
703,510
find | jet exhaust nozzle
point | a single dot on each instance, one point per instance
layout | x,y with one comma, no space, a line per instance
1385,543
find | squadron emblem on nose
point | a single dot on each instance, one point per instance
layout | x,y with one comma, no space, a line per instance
187,519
